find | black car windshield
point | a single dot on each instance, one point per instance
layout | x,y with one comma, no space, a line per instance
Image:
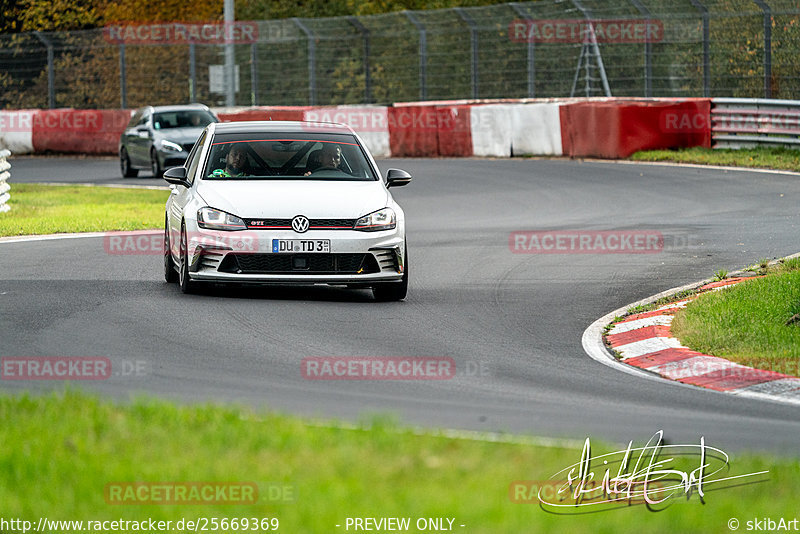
279,156
185,118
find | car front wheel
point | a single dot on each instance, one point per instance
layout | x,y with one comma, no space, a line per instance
125,165
186,283
170,273
392,291
155,166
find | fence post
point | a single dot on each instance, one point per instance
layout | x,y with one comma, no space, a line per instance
51,82
473,39
648,50
192,74
531,58
706,48
123,80
423,54
312,61
253,75
767,47
4,176
367,76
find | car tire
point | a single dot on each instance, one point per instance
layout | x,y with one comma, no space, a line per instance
125,165
393,291
170,272
155,165
186,283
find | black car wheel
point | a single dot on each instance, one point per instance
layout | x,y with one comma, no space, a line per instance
187,286
170,273
125,165
392,291
155,166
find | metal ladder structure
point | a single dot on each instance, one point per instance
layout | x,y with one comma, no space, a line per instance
590,60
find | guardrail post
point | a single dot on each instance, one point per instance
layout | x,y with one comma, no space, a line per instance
767,47
4,176
312,61
531,52
473,39
706,48
51,83
648,50
423,54
367,77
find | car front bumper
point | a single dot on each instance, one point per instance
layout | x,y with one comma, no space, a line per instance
355,258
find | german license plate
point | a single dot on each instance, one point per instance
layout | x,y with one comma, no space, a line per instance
289,246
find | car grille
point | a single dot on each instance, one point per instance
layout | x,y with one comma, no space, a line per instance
314,224
299,264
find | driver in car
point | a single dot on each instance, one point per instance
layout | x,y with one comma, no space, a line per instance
235,163
330,159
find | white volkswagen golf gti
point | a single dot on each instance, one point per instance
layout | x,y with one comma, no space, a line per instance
286,203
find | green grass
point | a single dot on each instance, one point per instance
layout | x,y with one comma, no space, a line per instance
766,158
61,450
747,323
44,209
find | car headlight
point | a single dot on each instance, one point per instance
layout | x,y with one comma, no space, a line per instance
169,146
218,220
384,219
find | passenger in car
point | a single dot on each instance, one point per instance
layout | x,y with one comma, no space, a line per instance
235,163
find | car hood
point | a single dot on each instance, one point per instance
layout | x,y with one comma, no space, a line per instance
180,135
283,199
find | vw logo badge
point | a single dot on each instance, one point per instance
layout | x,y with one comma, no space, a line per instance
300,224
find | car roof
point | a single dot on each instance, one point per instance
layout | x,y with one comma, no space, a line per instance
281,127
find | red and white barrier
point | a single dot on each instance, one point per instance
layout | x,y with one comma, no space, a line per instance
535,129
16,131
608,128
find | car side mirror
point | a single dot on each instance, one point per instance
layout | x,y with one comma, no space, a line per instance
177,176
397,178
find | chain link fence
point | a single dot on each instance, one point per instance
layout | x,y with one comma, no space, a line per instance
549,48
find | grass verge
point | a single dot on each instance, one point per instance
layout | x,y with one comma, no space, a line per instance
45,209
61,450
764,158
747,323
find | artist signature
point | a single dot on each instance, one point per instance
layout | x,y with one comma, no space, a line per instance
649,475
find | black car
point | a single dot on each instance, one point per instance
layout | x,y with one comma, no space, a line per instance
159,137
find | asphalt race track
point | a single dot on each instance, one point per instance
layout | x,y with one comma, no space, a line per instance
512,322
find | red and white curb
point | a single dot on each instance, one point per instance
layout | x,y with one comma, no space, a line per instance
647,348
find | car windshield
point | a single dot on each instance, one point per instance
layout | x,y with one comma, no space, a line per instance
185,118
259,156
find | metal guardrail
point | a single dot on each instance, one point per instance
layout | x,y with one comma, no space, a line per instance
747,122
5,166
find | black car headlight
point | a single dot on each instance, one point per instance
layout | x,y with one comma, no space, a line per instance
212,219
384,219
